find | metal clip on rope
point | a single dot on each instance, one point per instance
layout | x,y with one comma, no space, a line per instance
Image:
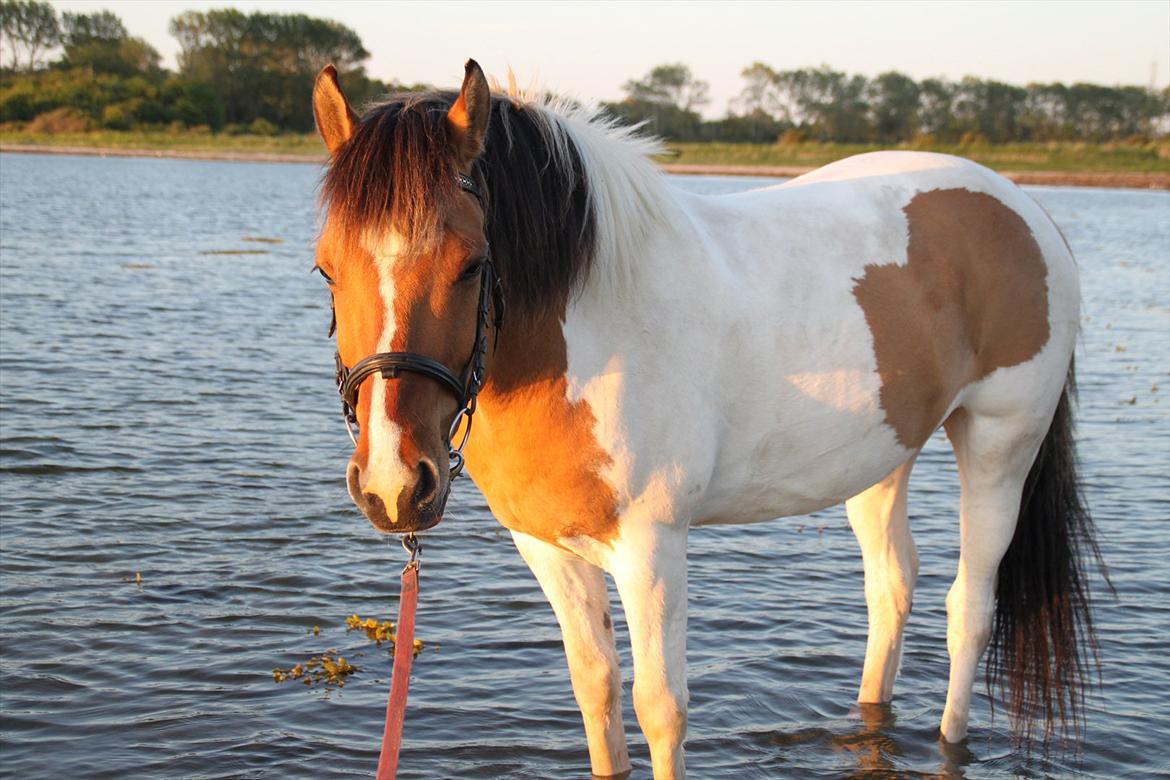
413,547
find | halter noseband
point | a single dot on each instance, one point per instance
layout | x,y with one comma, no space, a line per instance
464,387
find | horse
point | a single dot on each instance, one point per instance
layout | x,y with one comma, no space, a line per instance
640,360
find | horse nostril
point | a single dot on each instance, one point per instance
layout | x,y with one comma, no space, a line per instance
426,487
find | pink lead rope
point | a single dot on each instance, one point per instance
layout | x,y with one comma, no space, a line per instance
403,656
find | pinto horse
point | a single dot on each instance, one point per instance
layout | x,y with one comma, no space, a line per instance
669,360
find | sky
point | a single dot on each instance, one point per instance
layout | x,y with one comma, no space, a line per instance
589,49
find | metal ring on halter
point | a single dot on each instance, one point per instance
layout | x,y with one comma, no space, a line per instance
454,468
463,414
349,426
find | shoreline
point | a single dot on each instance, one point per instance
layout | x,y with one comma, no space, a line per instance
1106,179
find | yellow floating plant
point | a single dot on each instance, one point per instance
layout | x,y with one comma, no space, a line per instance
378,632
329,668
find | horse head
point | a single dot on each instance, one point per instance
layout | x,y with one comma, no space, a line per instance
405,253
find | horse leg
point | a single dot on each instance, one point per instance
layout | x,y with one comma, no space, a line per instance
577,592
879,521
994,453
650,570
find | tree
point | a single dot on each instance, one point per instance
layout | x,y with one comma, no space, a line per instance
669,84
893,104
30,28
761,93
262,65
660,118
828,103
990,109
100,42
102,26
935,98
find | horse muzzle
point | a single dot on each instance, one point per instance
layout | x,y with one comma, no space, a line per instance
418,506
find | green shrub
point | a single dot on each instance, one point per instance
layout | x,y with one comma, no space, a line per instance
61,120
261,126
116,117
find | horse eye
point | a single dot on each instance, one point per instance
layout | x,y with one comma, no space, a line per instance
328,279
472,270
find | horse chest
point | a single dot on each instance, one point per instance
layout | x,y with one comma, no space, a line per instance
535,458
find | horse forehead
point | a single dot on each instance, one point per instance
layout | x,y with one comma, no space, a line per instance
384,248
388,251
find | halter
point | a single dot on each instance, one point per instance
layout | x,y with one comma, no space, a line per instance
464,387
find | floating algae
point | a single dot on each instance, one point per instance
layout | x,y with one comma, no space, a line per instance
330,668
234,252
263,240
378,632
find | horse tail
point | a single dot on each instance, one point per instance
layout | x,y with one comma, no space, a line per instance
1042,644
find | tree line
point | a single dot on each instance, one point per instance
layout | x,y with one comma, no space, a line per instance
237,72
254,73
828,105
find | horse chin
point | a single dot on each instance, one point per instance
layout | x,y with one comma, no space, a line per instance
422,519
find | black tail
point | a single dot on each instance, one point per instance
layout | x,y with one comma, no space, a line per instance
1042,644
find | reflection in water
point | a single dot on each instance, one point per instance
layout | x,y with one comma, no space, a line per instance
877,748
956,756
873,744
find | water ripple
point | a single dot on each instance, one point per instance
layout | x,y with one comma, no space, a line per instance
179,423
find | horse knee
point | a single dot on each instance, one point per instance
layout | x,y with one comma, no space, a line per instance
596,686
662,713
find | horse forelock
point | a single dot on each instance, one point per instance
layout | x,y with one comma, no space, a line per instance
395,174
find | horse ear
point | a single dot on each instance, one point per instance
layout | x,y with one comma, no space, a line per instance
467,121
335,119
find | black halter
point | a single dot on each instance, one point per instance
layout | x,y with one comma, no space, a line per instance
464,387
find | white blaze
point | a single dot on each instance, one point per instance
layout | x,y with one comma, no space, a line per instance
385,472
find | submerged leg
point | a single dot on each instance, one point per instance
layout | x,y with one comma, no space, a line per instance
878,517
651,575
577,592
994,455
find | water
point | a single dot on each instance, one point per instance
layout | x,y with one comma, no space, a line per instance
171,412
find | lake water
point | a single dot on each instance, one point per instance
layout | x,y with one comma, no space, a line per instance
169,411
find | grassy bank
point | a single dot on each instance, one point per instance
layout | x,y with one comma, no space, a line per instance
1136,158
1152,157
307,144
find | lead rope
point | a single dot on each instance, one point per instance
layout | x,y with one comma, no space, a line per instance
403,656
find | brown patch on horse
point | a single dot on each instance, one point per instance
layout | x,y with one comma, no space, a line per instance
971,298
533,452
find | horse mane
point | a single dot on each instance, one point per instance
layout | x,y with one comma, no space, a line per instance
567,188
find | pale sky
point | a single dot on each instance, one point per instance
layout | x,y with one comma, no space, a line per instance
589,49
